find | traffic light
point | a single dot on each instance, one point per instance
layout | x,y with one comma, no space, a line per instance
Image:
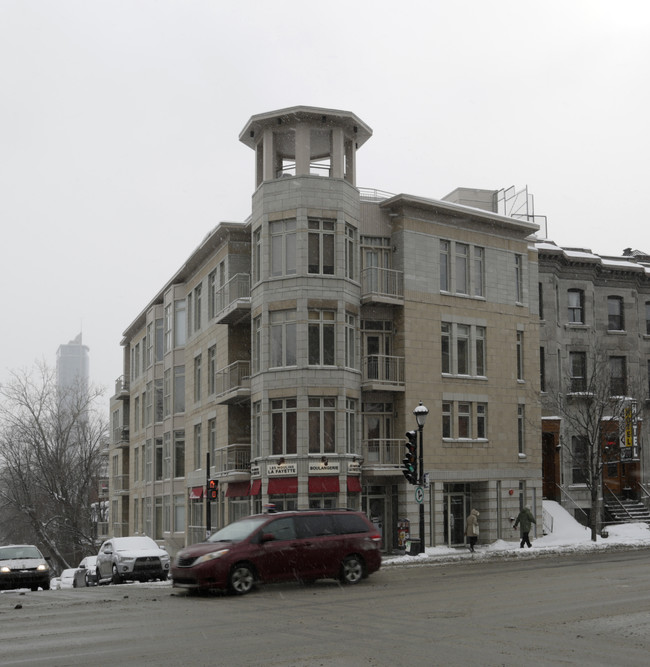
213,489
410,459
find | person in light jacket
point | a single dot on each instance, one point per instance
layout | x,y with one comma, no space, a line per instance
471,529
525,520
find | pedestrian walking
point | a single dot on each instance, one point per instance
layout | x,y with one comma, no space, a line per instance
471,529
524,519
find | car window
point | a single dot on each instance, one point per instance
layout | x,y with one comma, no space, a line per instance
314,525
107,547
238,530
347,524
7,553
281,529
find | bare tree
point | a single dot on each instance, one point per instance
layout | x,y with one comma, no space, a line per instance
595,408
50,462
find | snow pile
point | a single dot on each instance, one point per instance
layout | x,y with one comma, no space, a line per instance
568,536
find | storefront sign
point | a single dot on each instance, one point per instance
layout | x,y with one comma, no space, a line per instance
281,469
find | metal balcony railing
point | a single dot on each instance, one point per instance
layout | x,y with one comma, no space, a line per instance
382,283
121,385
120,484
121,435
236,291
383,452
232,458
233,379
383,369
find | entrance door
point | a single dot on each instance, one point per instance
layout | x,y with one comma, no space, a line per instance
377,515
550,488
455,512
377,350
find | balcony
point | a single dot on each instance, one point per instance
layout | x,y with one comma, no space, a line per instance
120,484
122,387
381,372
233,462
121,436
233,383
382,286
232,302
383,456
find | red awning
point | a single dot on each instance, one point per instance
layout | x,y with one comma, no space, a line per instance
196,493
238,489
328,484
256,487
280,485
354,485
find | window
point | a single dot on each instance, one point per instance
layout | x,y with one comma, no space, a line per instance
257,254
149,343
576,304
180,323
479,271
160,339
320,248
158,400
283,338
179,453
350,251
521,433
257,429
148,461
197,307
520,355
148,409
168,328
167,455
618,376
519,279
350,327
283,248
350,426
179,513
462,268
212,294
136,464
463,349
322,423
481,420
321,337
179,389
542,369
578,371
167,393
158,458
615,320
197,378
212,370
579,450
540,298
136,414
197,446
444,266
464,420
256,352
283,426
647,318
446,420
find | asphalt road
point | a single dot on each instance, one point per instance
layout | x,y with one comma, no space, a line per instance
566,610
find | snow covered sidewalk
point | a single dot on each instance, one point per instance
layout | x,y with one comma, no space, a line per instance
568,536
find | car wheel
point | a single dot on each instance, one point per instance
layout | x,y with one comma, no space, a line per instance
86,580
116,579
352,570
164,576
45,585
241,579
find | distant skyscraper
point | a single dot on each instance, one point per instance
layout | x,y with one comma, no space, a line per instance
73,365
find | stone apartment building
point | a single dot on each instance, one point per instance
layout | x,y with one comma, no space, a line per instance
284,360
594,310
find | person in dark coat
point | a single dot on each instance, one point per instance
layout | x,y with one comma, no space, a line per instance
525,520
471,529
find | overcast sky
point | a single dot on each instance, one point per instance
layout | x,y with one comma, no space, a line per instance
119,125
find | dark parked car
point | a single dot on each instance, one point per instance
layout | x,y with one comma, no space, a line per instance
23,566
282,546
86,574
136,558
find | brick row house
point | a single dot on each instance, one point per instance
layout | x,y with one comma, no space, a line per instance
284,360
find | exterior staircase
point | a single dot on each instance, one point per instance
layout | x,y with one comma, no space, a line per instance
623,510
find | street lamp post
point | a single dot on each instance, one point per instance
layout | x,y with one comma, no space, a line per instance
421,413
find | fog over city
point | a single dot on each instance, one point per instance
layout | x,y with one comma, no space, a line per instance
119,125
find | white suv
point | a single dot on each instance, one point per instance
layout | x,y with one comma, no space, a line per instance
131,558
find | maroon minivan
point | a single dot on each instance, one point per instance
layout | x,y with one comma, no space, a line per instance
281,546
